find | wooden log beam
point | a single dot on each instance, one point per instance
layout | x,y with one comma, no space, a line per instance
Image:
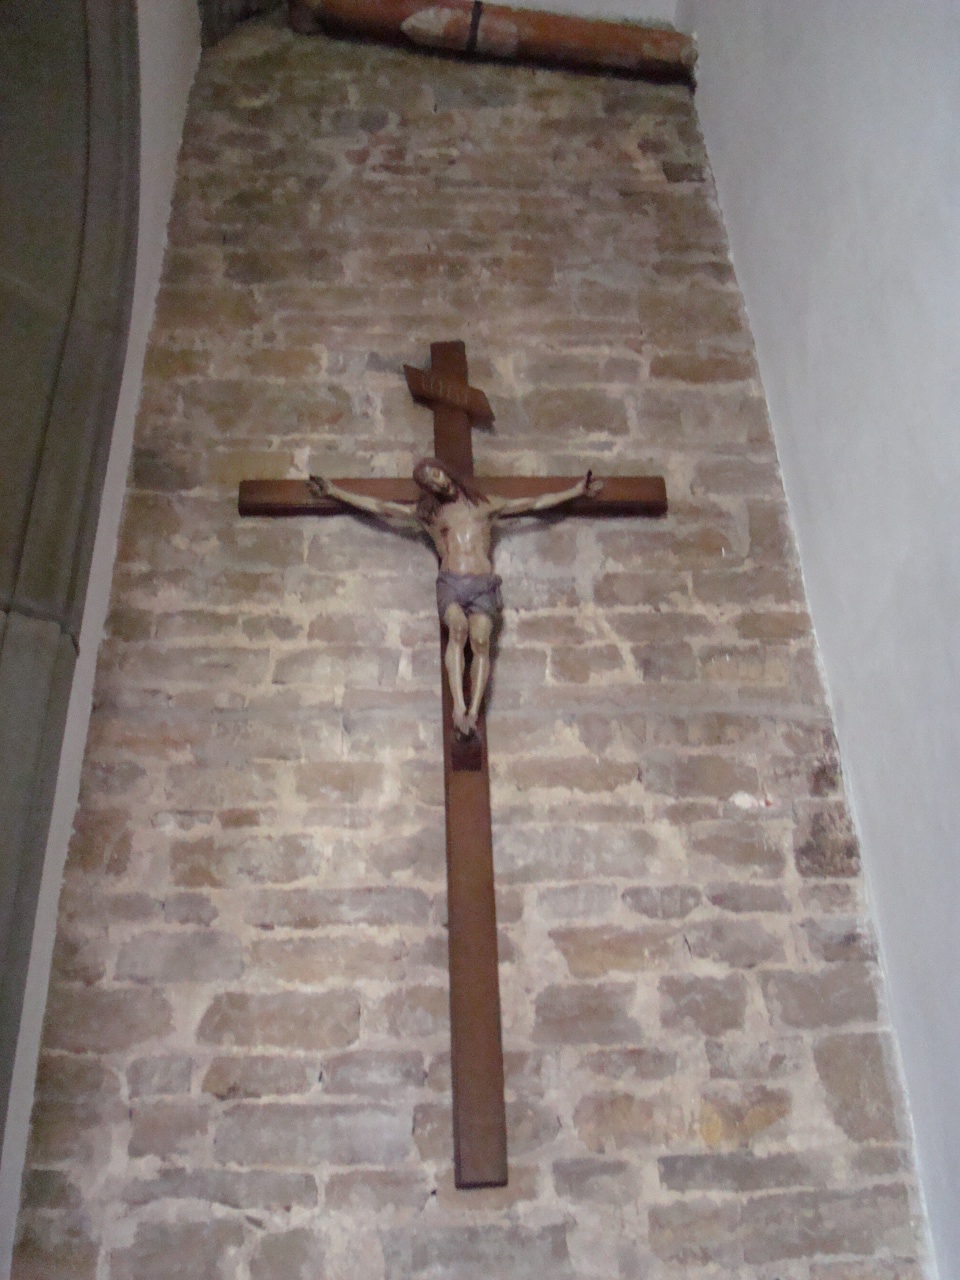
492,30
620,496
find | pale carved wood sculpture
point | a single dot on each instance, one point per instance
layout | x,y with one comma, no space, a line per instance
458,511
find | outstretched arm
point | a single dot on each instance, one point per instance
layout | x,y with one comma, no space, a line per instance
523,506
373,506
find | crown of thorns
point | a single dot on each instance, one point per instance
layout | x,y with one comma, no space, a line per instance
465,486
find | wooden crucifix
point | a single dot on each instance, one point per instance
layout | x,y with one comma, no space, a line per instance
479,1121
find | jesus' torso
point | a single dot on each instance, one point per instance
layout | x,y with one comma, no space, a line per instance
461,533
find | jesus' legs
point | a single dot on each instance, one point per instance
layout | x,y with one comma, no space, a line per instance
481,628
455,620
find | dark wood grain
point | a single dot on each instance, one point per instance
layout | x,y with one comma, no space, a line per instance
620,496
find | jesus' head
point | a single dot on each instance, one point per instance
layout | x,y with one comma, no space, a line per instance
439,483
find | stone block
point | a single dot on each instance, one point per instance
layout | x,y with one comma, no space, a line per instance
741,944
881,1162
712,1006
76,957
746,1057
868,1269
258,1076
198,787
590,777
774,627
316,908
102,841
664,663
288,1255
180,956
231,859
272,1190
65,1077
735,1116
104,1020
663,902
650,589
734,1171
414,1012
831,997
593,1179
771,538
677,318
49,1189
696,1233
611,1122
291,1136
838,939
831,897
713,776
804,1224
593,950
688,367
584,664
748,898
359,781
361,954
637,1063
754,848
433,1128
574,901
374,1072
376,1190
59,1247
281,1019
747,587
479,1252
531,853
530,1126
563,413
826,844
166,1129
189,908
853,1073
73,1130
585,1013
164,1249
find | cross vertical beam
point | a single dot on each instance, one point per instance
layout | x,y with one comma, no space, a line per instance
476,1050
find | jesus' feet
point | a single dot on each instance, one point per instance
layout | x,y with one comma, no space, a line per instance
464,723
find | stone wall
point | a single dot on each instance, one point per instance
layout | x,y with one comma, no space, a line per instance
245,1071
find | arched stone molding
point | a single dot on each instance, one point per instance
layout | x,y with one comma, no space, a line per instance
70,128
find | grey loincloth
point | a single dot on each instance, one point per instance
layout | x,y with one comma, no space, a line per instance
473,592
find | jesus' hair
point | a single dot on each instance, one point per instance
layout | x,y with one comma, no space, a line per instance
429,503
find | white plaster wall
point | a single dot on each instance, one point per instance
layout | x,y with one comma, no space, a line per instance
169,42
612,10
834,133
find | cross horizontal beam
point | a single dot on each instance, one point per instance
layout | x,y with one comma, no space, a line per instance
620,495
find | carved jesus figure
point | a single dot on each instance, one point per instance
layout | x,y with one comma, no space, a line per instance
459,520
